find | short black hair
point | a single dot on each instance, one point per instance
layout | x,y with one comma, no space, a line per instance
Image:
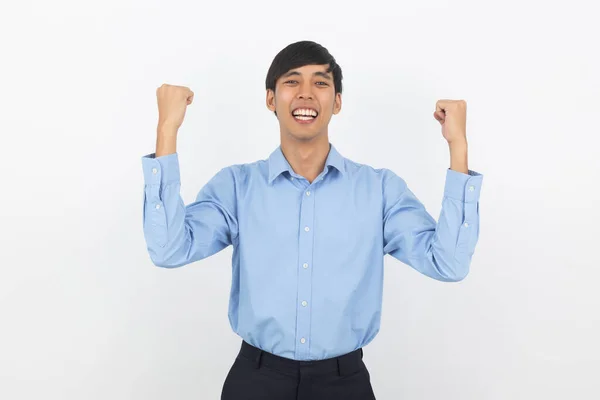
299,54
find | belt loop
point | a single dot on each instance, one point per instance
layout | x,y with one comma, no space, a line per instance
348,363
345,366
257,358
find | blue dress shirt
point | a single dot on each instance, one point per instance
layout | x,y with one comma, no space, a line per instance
307,264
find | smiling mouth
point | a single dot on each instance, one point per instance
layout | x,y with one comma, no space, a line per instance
305,114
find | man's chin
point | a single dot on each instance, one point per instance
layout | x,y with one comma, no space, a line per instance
304,135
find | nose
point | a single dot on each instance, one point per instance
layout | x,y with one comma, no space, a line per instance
305,91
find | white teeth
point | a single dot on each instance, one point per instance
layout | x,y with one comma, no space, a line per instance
305,111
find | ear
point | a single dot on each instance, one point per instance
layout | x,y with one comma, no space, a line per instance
271,100
337,104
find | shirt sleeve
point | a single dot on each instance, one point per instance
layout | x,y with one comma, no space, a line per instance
441,250
177,234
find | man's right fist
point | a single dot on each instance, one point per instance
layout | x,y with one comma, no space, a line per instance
172,103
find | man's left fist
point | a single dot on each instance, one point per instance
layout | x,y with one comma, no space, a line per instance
452,115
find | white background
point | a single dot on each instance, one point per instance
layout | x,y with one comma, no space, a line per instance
84,314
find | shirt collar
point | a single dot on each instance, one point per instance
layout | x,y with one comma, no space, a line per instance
278,163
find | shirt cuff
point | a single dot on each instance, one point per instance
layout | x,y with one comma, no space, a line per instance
163,169
463,187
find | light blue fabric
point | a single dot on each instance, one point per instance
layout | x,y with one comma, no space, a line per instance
307,264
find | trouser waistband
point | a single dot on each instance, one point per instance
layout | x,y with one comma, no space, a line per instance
342,365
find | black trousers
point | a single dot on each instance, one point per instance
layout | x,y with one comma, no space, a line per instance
256,374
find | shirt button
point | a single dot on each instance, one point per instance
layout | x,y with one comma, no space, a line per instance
302,340
304,303
466,224
471,188
292,178
306,228
308,193
154,170
305,265
157,206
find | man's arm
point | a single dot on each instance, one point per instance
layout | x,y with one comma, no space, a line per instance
177,234
441,250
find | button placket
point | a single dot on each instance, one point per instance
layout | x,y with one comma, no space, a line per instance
469,197
468,228
157,217
306,240
155,184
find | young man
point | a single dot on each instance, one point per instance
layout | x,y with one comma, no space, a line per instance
309,230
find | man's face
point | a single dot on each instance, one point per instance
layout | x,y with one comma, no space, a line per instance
306,91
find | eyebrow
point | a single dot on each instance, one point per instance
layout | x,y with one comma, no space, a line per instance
324,75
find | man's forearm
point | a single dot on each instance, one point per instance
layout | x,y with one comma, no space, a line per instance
166,141
459,157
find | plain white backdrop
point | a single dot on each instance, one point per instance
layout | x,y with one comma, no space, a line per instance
84,314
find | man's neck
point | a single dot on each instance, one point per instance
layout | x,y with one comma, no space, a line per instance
307,159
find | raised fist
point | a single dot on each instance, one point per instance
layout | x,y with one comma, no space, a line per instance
172,103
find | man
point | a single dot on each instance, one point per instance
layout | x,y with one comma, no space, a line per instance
309,230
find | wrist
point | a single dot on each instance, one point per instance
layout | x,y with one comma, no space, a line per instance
166,128
166,143
459,156
458,144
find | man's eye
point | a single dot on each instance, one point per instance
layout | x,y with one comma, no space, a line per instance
295,81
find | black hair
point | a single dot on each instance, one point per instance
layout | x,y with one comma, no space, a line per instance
299,54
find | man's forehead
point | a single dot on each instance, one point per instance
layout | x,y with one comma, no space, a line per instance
310,68
314,70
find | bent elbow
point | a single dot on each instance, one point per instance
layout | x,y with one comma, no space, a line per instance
459,275
459,271
161,258
450,269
